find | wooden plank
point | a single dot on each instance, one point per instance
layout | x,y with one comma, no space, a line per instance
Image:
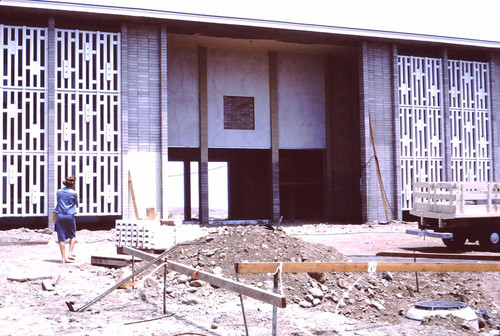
23,278
115,262
250,291
312,267
34,242
440,256
131,187
155,260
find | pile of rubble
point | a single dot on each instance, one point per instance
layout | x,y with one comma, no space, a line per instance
373,298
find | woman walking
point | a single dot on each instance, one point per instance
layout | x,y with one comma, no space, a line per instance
65,210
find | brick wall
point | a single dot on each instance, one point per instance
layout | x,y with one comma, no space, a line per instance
376,99
495,112
141,112
239,113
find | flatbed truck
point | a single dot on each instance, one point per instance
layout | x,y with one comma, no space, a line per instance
458,212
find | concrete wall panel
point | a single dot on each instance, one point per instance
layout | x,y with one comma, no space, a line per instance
238,73
301,102
183,103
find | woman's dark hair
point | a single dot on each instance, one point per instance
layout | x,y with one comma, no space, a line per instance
69,181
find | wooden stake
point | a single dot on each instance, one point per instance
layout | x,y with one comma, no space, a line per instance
131,187
381,184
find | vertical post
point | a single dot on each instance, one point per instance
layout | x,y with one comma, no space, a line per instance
164,288
328,166
133,269
51,139
164,120
275,309
241,301
187,190
416,276
445,118
203,165
275,165
397,178
126,211
495,119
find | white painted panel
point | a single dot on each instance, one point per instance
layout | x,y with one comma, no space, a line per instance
238,73
301,103
143,168
183,102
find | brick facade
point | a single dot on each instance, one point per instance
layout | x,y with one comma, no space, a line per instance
495,110
376,102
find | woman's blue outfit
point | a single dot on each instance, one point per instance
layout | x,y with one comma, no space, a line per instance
66,208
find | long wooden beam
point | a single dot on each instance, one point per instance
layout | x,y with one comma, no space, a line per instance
440,256
274,299
318,267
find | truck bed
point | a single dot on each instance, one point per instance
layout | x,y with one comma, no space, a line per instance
455,200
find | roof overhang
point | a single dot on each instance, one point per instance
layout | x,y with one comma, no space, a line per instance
247,22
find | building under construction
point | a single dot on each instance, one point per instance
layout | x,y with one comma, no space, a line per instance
314,121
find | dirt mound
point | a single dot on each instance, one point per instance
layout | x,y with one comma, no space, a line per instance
366,297
225,246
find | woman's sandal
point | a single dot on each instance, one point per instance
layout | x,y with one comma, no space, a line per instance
72,257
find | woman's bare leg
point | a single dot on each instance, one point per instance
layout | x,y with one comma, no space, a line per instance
62,247
71,246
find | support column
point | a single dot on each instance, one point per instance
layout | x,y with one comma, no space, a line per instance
275,164
203,165
126,198
495,114
164,120
376,90
328,137
52,184
187,190
397,179
445,115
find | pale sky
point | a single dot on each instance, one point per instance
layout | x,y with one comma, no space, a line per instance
471,19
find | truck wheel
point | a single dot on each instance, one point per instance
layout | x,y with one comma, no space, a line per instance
490,240
455,243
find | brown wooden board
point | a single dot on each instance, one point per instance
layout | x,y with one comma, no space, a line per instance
440,256
20,242
114,262
26,277
312,267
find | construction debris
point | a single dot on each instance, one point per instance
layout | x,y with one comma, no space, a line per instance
345,303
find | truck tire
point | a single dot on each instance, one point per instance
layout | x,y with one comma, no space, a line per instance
490,240
455,243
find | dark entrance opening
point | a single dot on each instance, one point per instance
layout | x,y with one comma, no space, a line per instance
302,194
248,180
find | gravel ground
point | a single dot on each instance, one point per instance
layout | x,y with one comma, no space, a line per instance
317,304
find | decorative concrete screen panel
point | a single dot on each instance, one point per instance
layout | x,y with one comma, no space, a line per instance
469,121
239,113
88,120
23,121
422,121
